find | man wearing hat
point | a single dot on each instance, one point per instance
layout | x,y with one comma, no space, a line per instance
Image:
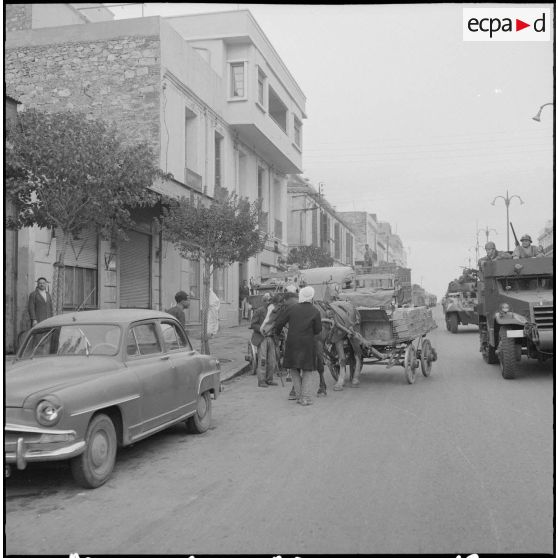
526,249
492,254
300,348
264,371
40,303
182,303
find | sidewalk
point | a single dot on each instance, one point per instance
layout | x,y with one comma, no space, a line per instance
229,346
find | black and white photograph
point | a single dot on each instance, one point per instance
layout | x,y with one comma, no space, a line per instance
218,214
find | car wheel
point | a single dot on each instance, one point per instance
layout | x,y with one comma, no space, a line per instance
507,354
453,323
201,420
94,466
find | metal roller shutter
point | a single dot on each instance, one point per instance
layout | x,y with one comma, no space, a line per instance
81,252
135,271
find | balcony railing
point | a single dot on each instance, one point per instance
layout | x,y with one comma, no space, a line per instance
193,179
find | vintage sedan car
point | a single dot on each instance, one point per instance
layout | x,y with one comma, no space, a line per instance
85,383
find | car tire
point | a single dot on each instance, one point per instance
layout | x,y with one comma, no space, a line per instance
200,422
453,323
94,466
507,354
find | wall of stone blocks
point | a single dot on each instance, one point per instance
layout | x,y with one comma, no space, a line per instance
117,80
18,17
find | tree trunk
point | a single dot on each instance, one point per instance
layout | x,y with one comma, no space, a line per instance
205,308
58,280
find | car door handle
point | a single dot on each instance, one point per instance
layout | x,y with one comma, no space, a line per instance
166,357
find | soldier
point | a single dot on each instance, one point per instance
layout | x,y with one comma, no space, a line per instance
492,254
526,250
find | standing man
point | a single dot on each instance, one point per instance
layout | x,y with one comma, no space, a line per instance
182,303
243,294
258,318
40,303
526,249
300,348
367,256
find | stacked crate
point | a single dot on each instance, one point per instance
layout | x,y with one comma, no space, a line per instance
409,323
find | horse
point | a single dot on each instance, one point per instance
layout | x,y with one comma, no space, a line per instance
339,321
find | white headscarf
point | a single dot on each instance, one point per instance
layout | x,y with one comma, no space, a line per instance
306,294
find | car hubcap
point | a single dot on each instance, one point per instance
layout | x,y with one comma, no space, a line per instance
99,449
202,407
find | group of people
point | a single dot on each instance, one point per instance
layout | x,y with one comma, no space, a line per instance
301,355
524,249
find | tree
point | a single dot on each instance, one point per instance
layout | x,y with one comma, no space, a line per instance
309,256
219,234
67,171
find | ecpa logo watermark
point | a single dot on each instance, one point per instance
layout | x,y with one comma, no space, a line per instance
507,24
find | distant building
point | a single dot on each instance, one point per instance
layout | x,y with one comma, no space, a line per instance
546,238
212,97
365,227
314,222
392,244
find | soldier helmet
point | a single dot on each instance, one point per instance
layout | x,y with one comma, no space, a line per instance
526,237
490,244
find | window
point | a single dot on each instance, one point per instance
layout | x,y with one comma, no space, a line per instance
349,249
261,87
337,240
297,132
237,80
277,110
80,287
142,340
218,166
174,337
194,279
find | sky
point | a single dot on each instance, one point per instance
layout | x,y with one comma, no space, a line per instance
407,120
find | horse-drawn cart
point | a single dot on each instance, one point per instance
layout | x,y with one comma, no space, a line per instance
390,336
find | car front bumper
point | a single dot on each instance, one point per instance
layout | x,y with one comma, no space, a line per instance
25,444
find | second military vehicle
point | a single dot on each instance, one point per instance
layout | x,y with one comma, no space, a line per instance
459,303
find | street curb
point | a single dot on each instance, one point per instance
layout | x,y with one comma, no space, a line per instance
239,372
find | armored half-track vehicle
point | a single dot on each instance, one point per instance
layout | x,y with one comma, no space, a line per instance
459,303
516,311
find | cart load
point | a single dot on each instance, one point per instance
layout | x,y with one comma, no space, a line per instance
368,298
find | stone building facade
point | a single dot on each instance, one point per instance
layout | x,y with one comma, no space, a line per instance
157,85
365,227
314,222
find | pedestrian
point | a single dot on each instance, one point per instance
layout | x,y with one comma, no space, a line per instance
182,303
305,323
367,256
243,304
257,339
213,314
40,303
526,249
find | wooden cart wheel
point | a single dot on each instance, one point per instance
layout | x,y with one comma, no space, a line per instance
410,363
426,358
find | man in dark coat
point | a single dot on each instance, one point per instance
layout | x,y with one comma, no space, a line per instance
264,370
182,303
300,348
40,303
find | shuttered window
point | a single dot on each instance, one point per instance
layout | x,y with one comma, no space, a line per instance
135,271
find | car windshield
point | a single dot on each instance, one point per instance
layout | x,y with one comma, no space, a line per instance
82,339
515,284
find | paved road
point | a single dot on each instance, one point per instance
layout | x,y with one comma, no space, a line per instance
459,462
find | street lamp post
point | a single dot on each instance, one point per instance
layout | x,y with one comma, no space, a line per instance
537,116
507,201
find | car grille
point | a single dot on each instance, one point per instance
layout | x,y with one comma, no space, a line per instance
544,316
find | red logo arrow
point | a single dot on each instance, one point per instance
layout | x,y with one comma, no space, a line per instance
519,25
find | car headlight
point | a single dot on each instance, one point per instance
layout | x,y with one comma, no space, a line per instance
48,412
